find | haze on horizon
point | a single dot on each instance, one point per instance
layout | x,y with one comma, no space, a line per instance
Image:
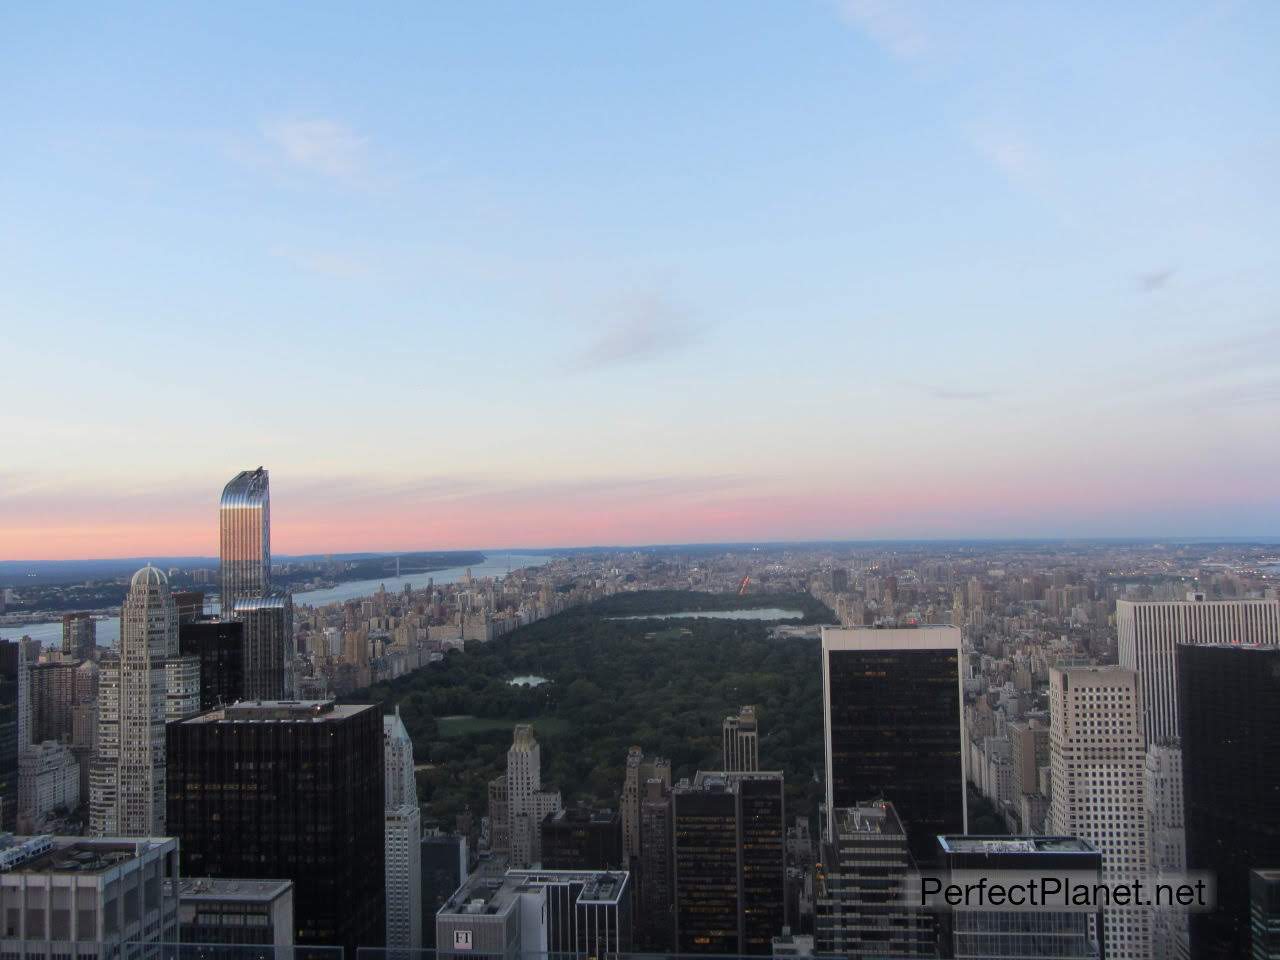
666,273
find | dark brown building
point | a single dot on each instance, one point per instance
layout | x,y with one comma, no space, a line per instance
287,790
582,839
219,644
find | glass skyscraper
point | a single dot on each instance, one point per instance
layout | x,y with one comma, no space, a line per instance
244,528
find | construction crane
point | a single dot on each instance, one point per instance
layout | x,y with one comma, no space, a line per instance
742,588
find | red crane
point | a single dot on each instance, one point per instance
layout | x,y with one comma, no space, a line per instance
742,588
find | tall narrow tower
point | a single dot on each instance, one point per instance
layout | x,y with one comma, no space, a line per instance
402,837
244,528
127,787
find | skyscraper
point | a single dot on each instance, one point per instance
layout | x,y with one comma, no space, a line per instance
127,783
1098,760
656,893
267,646
11,676
741,737
288,790
79,636
1231,775
527,802
894,727
244,528
1147,632
402,837
730,862
219,645
639,771
1166,840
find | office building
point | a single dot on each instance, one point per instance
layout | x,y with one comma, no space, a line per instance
287,790
268,646
894,727
79,636
189,604
91,899
1231,778
730,867
862,911
219,645
48,784
402,837
13,678
655,913
527,803
639,771
244,536
127,782
741,736
582,839
1098,759
1028,752
531,912
1264,914
1147,632
999,934
444,869
245,912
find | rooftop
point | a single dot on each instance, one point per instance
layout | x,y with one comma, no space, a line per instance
868,818
280,711
214,888
492,896
1005,845
87,855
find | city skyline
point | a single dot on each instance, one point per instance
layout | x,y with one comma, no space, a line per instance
734,272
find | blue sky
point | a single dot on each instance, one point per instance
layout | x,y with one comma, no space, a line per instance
633,272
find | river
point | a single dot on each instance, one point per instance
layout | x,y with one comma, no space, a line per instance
495,565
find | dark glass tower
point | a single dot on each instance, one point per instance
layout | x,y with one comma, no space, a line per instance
219,644
893,727
582,839
10,686
1229,716
730,862
287,790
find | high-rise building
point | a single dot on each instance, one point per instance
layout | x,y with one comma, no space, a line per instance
75,896
189,603
1166,841
741,737
268,646
403,837
639,771
655,916
127,782
12,677
1148,630
729,852
219,645
862,909
582,839
1098,758
1041,934
79,636
527,803
244,528
288,790
894,727
57,687
1264,913
1231,776
444,869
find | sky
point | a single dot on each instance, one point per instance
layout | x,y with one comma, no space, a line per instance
500,274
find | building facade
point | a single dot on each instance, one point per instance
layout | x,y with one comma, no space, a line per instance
13,679
729,853
219,645
582,839
127,782
79,636
288,790
1098,767
402,837
527,803
244,912
894,727
1231,776
268,646
639,771
1147,632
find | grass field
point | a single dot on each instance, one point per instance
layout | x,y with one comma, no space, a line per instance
462,726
